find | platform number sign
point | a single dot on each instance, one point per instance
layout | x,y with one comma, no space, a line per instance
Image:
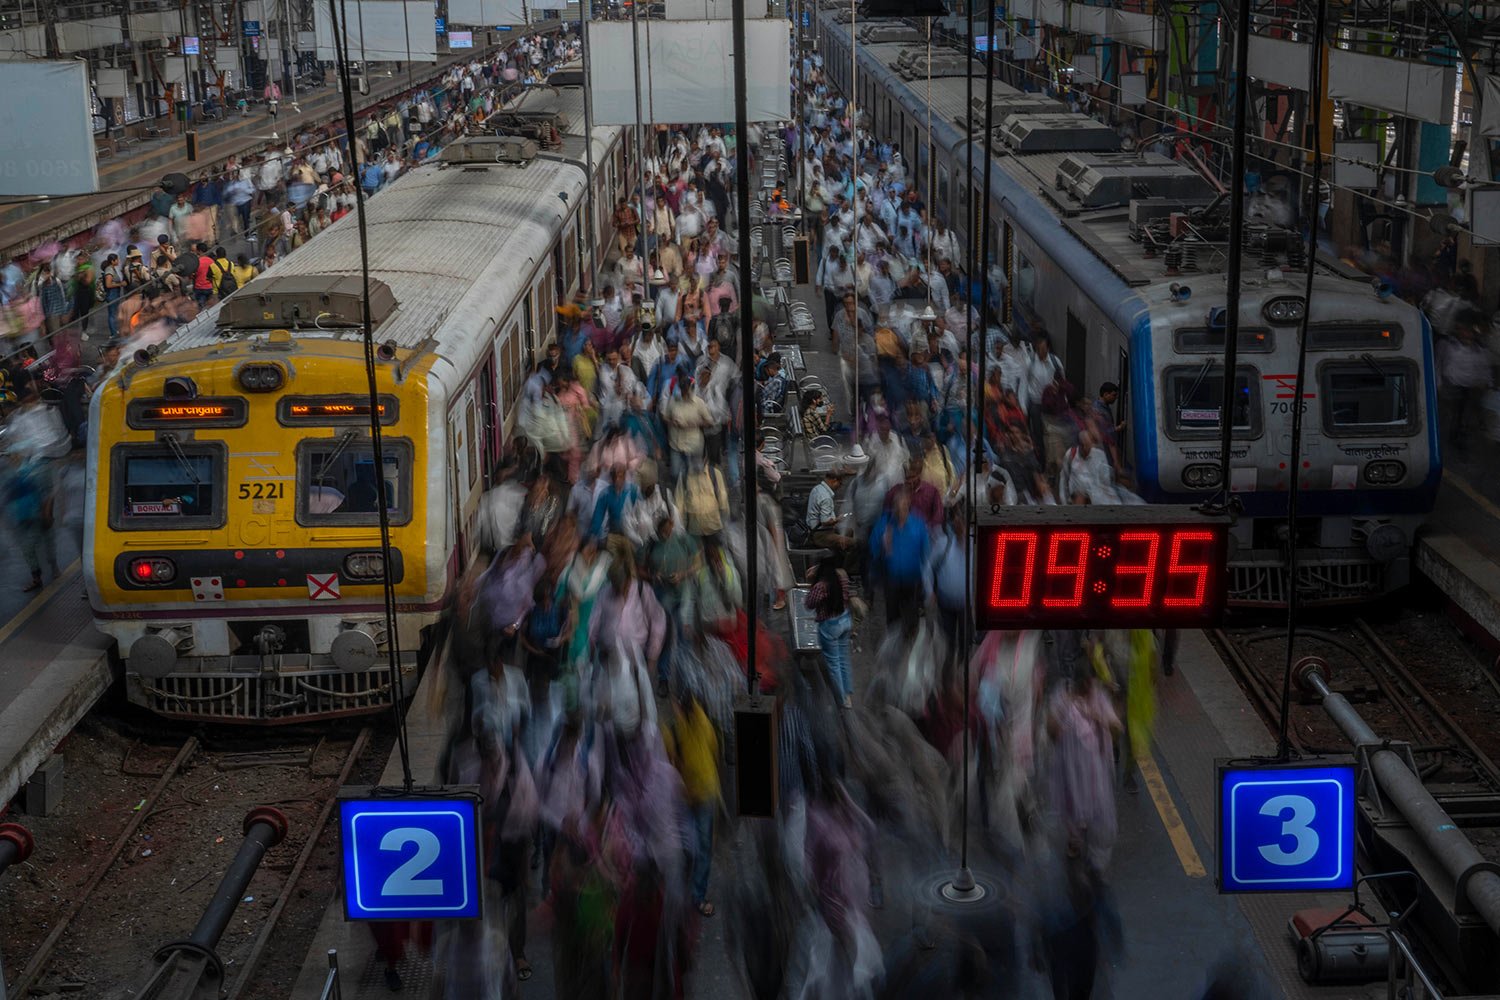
1286,828
410,858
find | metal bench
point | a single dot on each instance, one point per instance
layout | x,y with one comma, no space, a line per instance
802,324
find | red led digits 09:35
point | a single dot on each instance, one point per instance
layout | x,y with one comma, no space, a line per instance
1077,574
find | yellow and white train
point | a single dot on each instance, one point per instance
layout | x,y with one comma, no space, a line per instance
232,544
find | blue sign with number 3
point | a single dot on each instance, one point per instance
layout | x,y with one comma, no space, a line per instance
1286,828
410,858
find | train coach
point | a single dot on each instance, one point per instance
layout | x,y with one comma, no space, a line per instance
1119,254
232,544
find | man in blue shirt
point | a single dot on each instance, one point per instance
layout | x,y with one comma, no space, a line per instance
899,547
612,505
772,391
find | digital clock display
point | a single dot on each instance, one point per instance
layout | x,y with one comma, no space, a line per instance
1113,567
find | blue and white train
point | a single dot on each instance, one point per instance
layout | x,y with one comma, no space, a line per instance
1120,256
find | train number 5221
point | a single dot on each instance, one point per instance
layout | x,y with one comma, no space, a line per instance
262,491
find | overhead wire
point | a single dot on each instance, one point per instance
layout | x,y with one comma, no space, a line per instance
1293,601
339,12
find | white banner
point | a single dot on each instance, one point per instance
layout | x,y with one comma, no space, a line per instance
1276,60
109,82
1489,107
1403,86
379,30
687,71
486,13
49,136
711,10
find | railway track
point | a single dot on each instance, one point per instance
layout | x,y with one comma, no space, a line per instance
159,873
1404,696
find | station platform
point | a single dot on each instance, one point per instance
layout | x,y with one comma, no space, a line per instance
53,666
1459,549
27,225
1176,926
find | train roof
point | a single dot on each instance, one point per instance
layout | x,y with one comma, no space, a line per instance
454,244
1071,184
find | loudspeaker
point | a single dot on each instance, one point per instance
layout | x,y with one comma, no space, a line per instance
802,260
192,144
755,765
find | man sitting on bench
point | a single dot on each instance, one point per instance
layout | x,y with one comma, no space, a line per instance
823,520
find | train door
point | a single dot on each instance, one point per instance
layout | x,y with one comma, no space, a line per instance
462,434
1122,404
1075,351
1007,257
489,414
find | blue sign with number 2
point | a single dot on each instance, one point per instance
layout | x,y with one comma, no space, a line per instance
1286,829
410,858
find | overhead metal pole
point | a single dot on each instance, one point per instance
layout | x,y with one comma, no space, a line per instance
591,231
747,343
857,452
640,127
1236,240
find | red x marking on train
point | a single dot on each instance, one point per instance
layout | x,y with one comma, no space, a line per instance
1286,386
323,588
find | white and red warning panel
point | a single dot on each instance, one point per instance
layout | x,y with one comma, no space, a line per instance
323,586
1153,566
208,588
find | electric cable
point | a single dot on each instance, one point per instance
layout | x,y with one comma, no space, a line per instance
338,12
1315,75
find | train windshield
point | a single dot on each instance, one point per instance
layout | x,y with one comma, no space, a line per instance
1368,397
176,486
337,482
1195,395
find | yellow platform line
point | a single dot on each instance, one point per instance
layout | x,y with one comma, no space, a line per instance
1469,491
1171,819
35,604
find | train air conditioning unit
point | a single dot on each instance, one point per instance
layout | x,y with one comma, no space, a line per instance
1007,105
306,300
877,34
477,149
1097,180
914,65
1058,133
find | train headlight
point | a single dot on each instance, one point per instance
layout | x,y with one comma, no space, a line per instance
261,378
1201,477
152,571
1385,472
364,566
1284,312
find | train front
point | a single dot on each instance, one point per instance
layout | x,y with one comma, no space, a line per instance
232,539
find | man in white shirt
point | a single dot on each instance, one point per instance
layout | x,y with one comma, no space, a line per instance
1085,476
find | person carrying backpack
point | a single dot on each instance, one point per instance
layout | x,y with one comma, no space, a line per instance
225,282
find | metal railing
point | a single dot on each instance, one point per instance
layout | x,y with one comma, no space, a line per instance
332,990
1405,977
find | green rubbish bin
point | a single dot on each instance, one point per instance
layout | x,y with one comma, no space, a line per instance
182,111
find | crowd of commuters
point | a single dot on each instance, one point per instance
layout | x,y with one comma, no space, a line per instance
589,676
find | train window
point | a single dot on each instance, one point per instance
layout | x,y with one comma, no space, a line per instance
1353,337
157,487
1211,341
1368,397
1025,281
336,481
941,197
473,444
1194,396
